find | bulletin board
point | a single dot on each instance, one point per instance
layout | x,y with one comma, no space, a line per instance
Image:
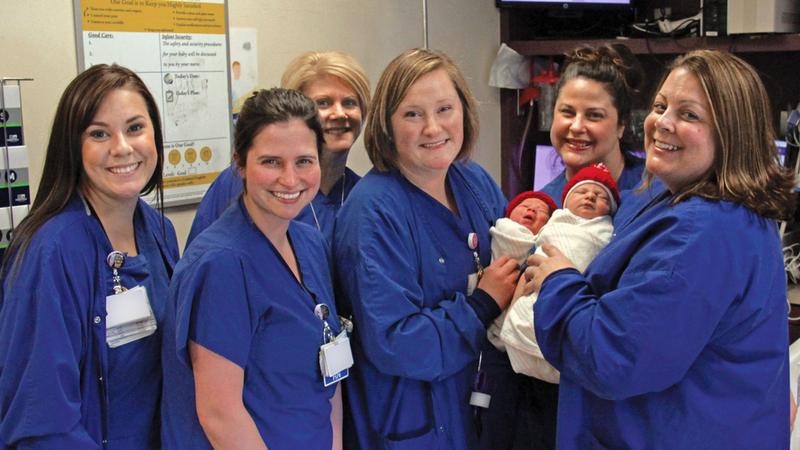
180,50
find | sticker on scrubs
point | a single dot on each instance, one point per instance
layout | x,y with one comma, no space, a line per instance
472,241
335,359
129,317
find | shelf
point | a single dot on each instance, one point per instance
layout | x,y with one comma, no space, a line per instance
756,43
775,56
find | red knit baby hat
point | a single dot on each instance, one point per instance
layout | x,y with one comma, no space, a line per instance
530,194
596,173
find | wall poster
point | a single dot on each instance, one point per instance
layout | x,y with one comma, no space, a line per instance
180,49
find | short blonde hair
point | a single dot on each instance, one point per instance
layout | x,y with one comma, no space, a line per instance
310,66
393,86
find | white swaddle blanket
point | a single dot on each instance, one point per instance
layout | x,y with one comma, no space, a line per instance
579,240
513,240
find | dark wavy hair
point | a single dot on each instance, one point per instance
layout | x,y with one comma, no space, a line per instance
63,165
269,106
621,74
746,168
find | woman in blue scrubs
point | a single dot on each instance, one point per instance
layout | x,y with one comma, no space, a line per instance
592,115
591,124
676,336
410,247
75,371
340,89
246,321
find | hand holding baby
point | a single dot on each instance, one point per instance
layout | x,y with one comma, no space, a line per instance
539,267
499,280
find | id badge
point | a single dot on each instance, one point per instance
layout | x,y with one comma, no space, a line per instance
127,307
335,359
128,317
472,282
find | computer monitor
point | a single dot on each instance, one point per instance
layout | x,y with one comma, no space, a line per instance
554,19
548,165
560,4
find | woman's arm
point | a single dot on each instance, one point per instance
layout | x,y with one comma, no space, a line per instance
41,349
403,332
220,409
337,416
657,299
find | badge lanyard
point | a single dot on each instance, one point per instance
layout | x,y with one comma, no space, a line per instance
129,316
322,312
480,398
472,243
115,260
314,212
335,356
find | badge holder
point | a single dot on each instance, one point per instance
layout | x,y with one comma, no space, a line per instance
335,356
129,316
480,397
474,278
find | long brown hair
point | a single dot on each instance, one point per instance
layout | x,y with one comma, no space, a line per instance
63,166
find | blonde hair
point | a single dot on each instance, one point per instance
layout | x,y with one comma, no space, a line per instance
393,86
746,169
310,66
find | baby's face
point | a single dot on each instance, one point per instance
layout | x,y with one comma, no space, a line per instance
588,200
532,213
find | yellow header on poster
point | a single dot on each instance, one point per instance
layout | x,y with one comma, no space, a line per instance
153,16
189,180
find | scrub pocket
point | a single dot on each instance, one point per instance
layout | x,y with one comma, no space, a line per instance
589,442
417,435
425,441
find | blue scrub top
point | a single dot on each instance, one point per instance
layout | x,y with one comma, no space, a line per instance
629,179
233,294
523,409
402,261
60,384
676,335
320,213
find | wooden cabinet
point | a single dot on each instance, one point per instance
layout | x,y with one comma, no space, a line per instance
777,57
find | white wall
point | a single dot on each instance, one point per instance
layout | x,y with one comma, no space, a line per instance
40,43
